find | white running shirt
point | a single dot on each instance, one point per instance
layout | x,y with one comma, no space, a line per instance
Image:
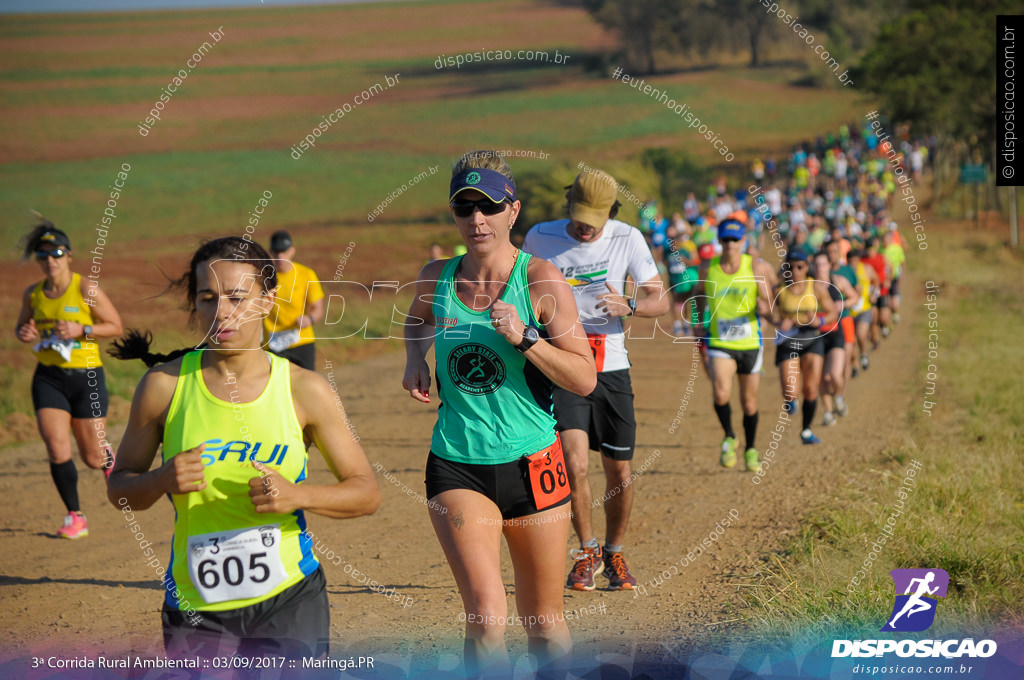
588,267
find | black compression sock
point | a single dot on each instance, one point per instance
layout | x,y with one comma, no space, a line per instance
65,476
750,428
724,413
810,406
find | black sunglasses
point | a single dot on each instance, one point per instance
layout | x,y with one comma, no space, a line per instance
486,206
56,254
728,239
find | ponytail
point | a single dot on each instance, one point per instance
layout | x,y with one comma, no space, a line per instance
135,345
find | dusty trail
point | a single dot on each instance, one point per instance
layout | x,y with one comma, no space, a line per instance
99,596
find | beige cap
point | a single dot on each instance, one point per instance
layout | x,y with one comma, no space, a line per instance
591,197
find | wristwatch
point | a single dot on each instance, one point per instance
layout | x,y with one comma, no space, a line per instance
86,330
632,306
531,336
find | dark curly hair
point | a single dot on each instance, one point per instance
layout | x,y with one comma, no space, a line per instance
135,343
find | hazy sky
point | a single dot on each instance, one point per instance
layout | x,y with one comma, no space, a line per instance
21,6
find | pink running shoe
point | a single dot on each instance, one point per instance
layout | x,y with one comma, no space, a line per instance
75,526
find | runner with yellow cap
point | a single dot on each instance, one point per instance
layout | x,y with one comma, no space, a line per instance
595,253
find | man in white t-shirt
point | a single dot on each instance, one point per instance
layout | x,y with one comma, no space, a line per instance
595,253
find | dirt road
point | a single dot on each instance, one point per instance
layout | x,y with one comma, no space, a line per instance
98,595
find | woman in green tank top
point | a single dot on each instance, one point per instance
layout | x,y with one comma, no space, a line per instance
234,424
504,327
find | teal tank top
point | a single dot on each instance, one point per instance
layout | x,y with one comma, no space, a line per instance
496,406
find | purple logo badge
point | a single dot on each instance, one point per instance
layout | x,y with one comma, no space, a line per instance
916,593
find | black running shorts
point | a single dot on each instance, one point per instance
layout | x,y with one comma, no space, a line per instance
294,623
806,342
833,339
748,361
606,414
506,484
82,392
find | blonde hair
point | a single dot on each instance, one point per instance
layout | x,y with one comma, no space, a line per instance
485,159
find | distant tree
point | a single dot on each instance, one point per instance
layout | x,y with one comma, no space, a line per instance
933,67
646,27
751,15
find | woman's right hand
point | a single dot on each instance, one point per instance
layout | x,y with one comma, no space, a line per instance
27,332
417,381
184,472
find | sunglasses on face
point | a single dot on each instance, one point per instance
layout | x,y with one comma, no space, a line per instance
728,240
56,254
798,265
486,206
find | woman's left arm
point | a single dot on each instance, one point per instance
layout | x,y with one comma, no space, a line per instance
326,425
106,320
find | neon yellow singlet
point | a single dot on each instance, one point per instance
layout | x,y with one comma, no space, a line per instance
733,306
70,306
864,303
225,555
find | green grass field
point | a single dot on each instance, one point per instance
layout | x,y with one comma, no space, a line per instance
72,112
75,87
966,511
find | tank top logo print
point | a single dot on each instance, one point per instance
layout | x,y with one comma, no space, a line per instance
476,369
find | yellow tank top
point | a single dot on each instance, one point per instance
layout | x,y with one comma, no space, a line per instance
733,320
70,306
224,555
798,302
864,303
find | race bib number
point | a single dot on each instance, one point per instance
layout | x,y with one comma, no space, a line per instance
62,347
597,346
734,329
283,340
549,479
236,565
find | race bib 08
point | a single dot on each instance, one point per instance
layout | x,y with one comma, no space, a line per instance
236,565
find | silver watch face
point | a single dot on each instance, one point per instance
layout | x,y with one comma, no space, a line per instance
531,334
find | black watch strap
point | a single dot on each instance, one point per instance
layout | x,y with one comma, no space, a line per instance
530,338
632,305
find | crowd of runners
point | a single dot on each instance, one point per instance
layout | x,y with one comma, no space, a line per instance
531,373
828,297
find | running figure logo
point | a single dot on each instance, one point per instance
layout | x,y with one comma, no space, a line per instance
914,609
475,369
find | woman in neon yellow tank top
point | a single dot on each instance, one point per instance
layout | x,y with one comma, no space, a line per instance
62,316
495,466
234,423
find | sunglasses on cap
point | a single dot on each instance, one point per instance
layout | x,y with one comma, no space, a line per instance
56,254
463,208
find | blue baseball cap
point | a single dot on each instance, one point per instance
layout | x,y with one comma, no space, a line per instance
731,229
797,254
490,183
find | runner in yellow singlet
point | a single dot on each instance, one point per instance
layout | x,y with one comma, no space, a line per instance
799,344
63,315
733,288
234,423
